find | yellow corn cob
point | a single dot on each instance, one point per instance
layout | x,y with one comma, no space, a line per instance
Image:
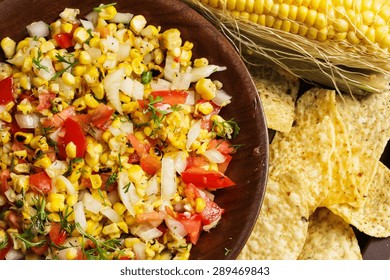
359,22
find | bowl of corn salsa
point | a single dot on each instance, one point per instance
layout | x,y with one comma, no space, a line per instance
129,130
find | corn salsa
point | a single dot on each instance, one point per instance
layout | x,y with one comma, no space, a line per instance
111,140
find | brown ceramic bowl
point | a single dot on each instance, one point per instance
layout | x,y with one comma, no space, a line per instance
249,166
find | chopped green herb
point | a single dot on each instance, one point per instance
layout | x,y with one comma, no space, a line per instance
101,7
69,59
226,129
146,77
37,61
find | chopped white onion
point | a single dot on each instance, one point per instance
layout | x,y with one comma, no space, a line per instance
175,227
171,67
63,253
211,225
111,214
115,131
55,134
152,187
112,84
127,128
27,121
160,84
193,133
92,204
181,81
127,86
180,162
70,189
46,69
94,53
126,191
221,98
79,213
214,155
38,29
88,25
139,250
138,90
57,168
123,52
93,17
149,234
204,71
13,254
168,178
122,18
3,108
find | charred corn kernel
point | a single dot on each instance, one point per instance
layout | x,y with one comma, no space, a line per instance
42,144
5,136
43,162
137,66
96,181
25,107
111,229
27,64
91,75
205,108
21,154
119,208
56,201
74,176
69,79
47,46
86,171
20,183
171,39
123,226
206,88
25,82
85,58
98,90
5,116
79,104
34,141
137,23
90,101
70,150
23,137
130,107
9,47
80,35
199,62
71,199
66,27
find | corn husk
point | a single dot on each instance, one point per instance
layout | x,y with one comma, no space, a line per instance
357,69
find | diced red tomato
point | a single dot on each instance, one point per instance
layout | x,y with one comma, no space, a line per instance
150,164
64,40
101,116
153,218
171,97
223,146
137,144
204,179
6,90
44,100
40,250
212,212
74,133
27,94
134,158
192,225
4,176
195,161
57,234
4,251
58,119
40,182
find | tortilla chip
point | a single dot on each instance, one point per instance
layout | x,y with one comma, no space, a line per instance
368,125
308,147
280,231
329,238
278,92
373,217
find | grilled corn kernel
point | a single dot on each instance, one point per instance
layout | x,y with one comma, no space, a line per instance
70,150
23,137
71,200
80,35
43,162
108,13
119,208
96,181
5,136
111,229
200,205
205,108
206,88
98,90
79,104
171,39
5,116
69,79
9,47
21,154
85,58
90,101
137,23
56,201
